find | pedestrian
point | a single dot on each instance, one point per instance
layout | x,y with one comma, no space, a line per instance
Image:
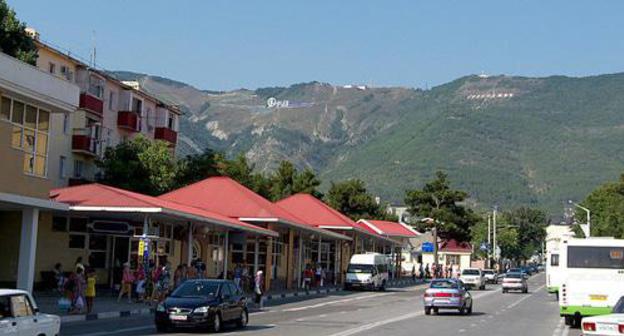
317,275
191,272
163,281
177,276
308,274
238,274
78,264
245,277
421,271
139,276
258,284
413,272
59,278
79,291
427,271
156,274
90,290
127,280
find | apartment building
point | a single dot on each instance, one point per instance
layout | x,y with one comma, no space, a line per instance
109,112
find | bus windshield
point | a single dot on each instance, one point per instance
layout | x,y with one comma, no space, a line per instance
596,257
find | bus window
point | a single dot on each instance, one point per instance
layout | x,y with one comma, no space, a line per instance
595,257
554,260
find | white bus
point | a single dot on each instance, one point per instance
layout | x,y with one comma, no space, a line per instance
593,277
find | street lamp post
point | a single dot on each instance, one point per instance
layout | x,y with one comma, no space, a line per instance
588,233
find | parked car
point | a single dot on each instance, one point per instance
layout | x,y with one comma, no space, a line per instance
368,271
203,303
515,281
612,324
473,277
447,294
518,270
19,315
490,276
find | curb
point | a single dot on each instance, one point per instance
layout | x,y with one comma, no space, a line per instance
271,297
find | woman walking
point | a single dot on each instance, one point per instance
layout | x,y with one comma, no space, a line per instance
258,283
127,279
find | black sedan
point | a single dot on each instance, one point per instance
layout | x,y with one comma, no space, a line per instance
205,304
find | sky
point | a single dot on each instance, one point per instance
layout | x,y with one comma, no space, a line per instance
231,44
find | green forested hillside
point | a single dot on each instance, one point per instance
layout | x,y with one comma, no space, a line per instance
506,140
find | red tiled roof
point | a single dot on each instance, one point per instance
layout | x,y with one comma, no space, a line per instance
392,229
315,212
224,195
99,197
453,245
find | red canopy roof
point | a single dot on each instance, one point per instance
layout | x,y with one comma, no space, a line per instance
392,229
315,212
224,195
453,245
101,198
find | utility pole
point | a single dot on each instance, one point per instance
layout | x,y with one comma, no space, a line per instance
494,233
435,245
489,241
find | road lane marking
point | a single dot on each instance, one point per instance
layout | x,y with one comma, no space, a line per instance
120,331
525,297
399,318
323,304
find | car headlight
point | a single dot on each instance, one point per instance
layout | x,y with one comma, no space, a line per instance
160,308
201,310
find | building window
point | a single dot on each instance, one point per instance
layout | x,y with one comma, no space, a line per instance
77,224
111,99
78,168
77,241
171,122
59,224
52,68
66,123
96,86
29,133
62,162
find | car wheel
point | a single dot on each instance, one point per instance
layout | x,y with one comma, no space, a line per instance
216,323
526,290
435,311
243,319
162,327
427,310
347,287
469,311
462,310
504,291
383,286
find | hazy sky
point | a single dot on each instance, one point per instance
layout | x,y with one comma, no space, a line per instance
231,44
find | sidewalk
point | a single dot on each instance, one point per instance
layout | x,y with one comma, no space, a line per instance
106,306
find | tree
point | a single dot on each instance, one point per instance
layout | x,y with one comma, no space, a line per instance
607,210
287,180
242,171
506,239
530,224
13,38
139,165
352,199
194,168
438,201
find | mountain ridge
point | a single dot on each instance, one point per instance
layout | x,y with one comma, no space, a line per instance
507,140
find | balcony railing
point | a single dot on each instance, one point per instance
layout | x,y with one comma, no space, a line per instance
91,103
85,144
167,134
128,120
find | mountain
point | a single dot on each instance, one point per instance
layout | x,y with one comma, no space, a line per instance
506,140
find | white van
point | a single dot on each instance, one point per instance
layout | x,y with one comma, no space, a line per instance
368,271
19,315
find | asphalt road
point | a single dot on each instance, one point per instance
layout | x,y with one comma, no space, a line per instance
395,312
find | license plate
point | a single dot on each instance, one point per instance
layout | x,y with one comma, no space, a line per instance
174,317
596,297
606,327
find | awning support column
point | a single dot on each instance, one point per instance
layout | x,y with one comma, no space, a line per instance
226,254
290,259
300,260
318,253
28,249
189,247
256,253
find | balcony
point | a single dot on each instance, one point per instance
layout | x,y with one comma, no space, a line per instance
166,134
91,103
84,144
128,120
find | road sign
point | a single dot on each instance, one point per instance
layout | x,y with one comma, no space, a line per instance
484,247
141,247
427,247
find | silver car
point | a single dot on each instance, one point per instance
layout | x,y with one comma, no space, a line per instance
515,281
447,294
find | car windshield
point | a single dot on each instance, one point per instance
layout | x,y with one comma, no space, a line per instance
488,272
514,275
514,270
619,306
359,268
196,289
443,284
470,272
